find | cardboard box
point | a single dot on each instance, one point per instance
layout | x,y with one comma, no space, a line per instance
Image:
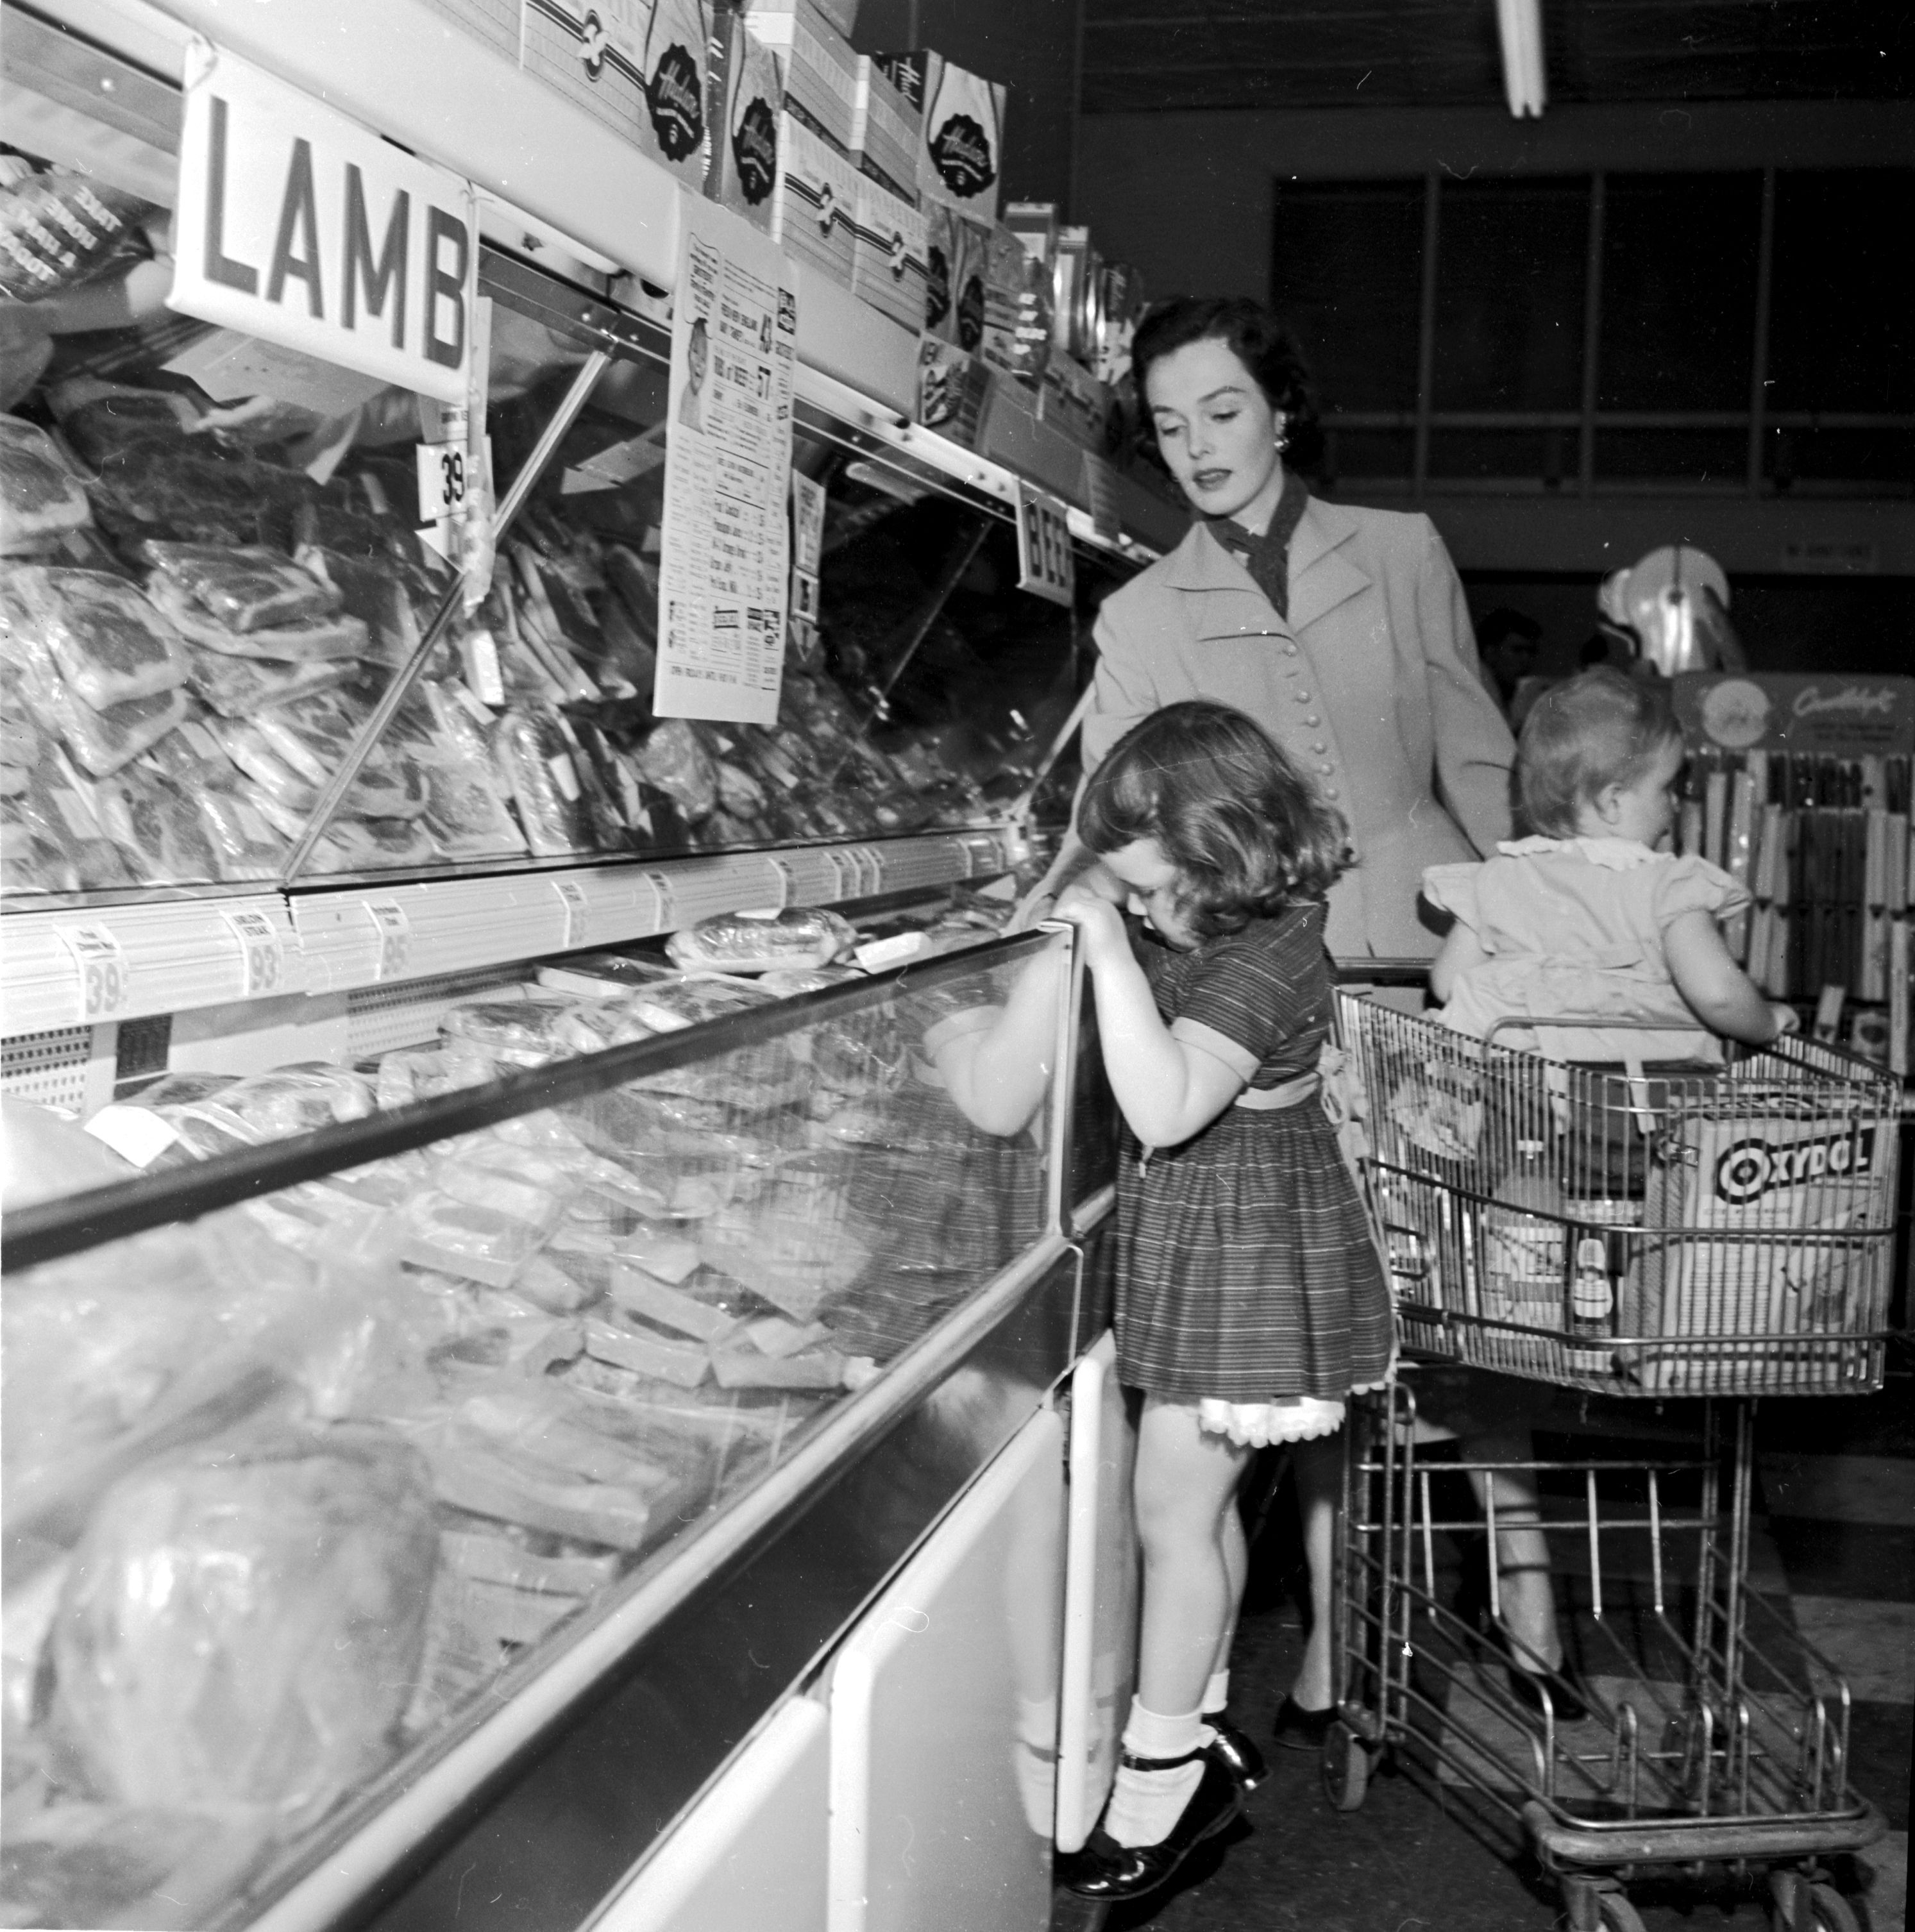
815,61
1077,403
955,251
744,170
954,391
885,130
1017,308
887,254
815,202
960,149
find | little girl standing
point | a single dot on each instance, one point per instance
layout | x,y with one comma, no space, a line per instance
1250,1300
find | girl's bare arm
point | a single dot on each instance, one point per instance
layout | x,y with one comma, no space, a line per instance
1719,993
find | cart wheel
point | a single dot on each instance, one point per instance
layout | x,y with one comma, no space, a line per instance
1616,1914
1799,1906
1346,1767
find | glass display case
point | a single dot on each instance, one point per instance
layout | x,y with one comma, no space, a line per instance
440,1465
234,652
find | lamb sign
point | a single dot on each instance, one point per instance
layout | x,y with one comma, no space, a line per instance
299,226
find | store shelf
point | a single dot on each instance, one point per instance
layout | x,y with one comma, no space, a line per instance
185,954
181,954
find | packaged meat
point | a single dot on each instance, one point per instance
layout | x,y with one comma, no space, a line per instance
489,1484
272,1670
781,1248
677,1362
498,1559
20,743
40,496
195,490
32,859
466,813
237,687
599,975
536,762
245,845
59,229
298,1099
98,419
106,640
104,741
747,1368
243,589
160,829
634,1292
674,758
755,942
337,636
413,1074
515,1032
668,1006
370,844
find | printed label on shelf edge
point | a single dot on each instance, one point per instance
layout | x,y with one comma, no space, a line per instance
1047,565
807,523
572,898
105,980
723,574
667,914
301,227
261,952
788,880
395,938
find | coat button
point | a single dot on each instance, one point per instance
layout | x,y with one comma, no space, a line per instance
1319,747
1329,791
1302,697
1290,650
1326,769
1313,719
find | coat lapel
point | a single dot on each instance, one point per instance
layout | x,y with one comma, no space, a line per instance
1232,606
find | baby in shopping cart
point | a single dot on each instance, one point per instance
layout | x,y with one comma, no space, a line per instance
1586,918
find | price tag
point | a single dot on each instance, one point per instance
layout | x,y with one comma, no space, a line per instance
395,938
442,482
136,1134
106,980
804,596
479,650
572,897
1046,566
871,871
261,952
844,874
788,881
565,776
807,523
666,918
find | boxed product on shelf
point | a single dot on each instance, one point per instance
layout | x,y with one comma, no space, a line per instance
816,64
744,171
960,147
956,251
885,128
1075,293
888,268
1017,318
815,201
1074,401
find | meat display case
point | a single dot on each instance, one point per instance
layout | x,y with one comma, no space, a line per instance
425,1508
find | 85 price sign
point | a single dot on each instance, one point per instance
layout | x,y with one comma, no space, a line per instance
1045,566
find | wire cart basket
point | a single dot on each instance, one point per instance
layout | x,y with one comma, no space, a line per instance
1646,1230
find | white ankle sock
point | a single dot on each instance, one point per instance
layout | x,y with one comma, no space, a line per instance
1216,1693
1145,1804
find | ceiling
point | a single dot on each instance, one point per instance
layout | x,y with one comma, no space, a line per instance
1159,55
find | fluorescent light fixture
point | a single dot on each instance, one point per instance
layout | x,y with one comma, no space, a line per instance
1520,28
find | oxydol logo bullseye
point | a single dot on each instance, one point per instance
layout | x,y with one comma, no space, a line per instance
1751,1169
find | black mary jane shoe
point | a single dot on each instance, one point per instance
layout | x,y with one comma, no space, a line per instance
1297,1728
1106,1870
1233,1748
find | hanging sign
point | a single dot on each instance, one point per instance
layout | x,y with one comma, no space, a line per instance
1046,566
300,227
1831,714
722,575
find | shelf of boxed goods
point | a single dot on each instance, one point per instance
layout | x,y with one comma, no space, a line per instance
68,967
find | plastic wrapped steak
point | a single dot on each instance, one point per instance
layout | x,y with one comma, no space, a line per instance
194,492
535,761
107,642
249,588
40,496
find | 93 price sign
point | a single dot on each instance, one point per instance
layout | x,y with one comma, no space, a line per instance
1045,565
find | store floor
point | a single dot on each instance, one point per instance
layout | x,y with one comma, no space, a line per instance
1835,1543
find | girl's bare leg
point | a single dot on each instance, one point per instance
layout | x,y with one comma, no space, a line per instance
1318,1467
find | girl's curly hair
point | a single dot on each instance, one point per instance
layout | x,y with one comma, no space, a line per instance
1248,834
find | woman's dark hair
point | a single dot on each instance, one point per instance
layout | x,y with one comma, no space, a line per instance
1597,729
1247,832
1263,346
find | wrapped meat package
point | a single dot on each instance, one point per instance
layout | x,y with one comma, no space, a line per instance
194,490
243,1626
297,642
107,641
513,1032
104,741
242,589
467,814
40,496
237,687
755,942
535,759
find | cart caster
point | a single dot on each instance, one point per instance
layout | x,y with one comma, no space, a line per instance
1600,1905
1346,1767
1799,1904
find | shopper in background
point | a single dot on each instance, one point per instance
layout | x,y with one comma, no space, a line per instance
1343,631
1250,1297
1507,642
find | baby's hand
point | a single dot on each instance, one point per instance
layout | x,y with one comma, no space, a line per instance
1788,1020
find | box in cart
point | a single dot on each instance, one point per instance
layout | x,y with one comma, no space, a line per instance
816,62
885,130
814,203
1786,1223
887,253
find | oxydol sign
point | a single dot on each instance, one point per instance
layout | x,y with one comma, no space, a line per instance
298,226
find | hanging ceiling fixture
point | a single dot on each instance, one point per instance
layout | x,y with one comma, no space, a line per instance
1519,27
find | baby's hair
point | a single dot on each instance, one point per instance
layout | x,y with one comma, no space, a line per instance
1598,729
1248,833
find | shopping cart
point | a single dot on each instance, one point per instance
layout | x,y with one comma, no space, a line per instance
1649,1232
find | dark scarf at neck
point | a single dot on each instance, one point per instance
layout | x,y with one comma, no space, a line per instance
1267,558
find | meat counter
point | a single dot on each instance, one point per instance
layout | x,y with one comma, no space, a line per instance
411,1516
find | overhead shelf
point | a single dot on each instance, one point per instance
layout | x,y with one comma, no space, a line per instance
66,967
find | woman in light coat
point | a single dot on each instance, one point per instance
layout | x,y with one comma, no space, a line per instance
1345,634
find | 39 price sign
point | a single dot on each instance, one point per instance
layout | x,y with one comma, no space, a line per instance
105,980
1046,565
